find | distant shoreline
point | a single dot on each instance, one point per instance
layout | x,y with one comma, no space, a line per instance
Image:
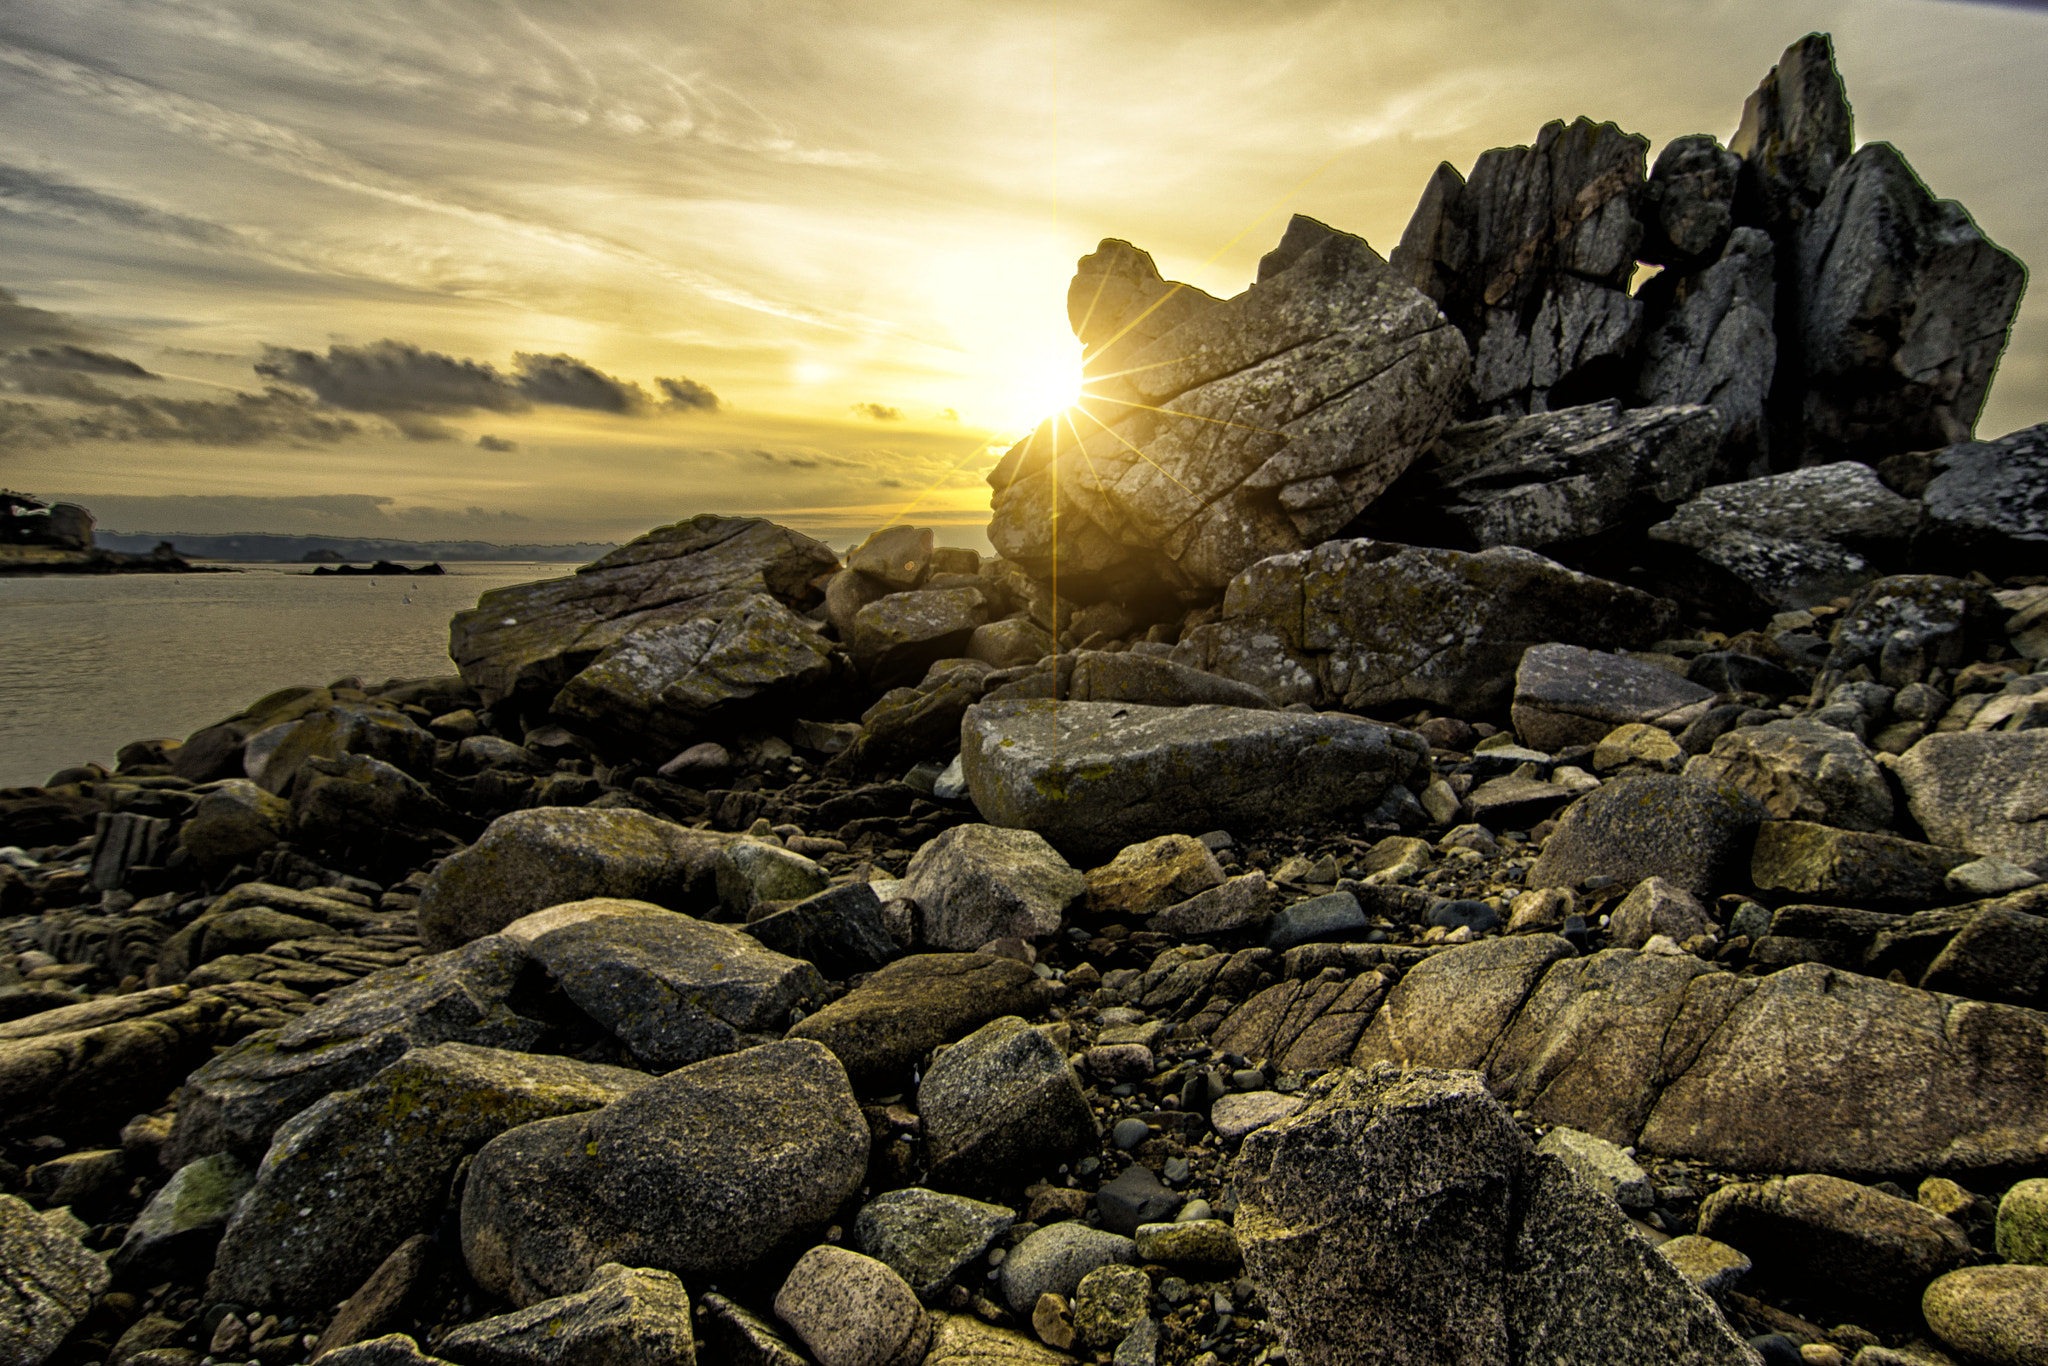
277,548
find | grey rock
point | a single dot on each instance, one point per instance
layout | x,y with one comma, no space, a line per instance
840,930
1237,1114
1787,541
382,1302
889,1022
357,802
678,681
534,637
1904,627
1695,835
234,821
895,638
1010,643
1602,1165
1240,905
1096,676
846,593
852,1310
1904,306
530,860
910,726
1800,770
1831,1242
478,752
1092,777
1002,1100
1984,791
1335,915
1988,502
703,1172
71,1066
1992,1313
976,883
1796,132
1053,1260
899,556
1135,1198
1710,340
1247,427
1715,1268
748,872
353,728
1656,907
2001,954
673,989
48,1280
1366,624
1689,202
928,1237
182,1224
1565,695
353,1176
630,1316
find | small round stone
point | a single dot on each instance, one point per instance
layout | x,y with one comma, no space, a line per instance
1129,1133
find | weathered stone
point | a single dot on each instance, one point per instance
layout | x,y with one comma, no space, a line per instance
1988,503
672,683
1828,1241
1828,864
976,883
534,637
927,1237
672,988
1689,203
1010,643
1450,1010
352,728
48,1280
1984,791
729,1332
2021,1233
530,860
1796,131
1602,1165
1109,1302
1904,306
896,637
1709,340
1095,676
1656,907
964,1340
81,1065
1254,426
852,1310
1715,1268
232,823
1904,627
181,1225
909,726
1002,1100
356,802
1565,695
627,1315
1787,541
383,1301
1695,835
1148,877
888,1022
1367,624
1053,1260
898,556
1550,479
1999,955
840,930
1800,770
351,1177
748,872
1239,905
1994,1314
1093,777
703,1172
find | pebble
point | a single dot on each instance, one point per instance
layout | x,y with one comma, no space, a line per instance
1129,1133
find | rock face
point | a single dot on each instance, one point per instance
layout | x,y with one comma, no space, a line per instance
351,1178
675,990
1245,428
1796,131
1530,258
1388,1184
1093,777
78,1064
1903,308
531,860
1362,624
703,1172
535,637
1800,770
1710,337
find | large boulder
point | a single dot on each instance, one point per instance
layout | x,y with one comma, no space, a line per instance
1695,835
896,637
672,988
349,1179
928,1237
534,637
1531,258
1552,478
704,1172
1904,306
1786,541
624,1316
351,728
1710,335
1796,132
530,860
102,1059
1244,428
1987,505
233,821
1402,1217
1093,777
889,1022
1567,696
182,1224
1001,1101
1800,770
48,1282
852,1310
1097,676
1992,1313
975,883
674,683
1367,624
1984,791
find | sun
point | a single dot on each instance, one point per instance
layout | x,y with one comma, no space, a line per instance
1046,384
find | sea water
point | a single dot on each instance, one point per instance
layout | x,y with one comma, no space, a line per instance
91,662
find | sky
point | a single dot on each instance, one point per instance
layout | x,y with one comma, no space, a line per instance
567,271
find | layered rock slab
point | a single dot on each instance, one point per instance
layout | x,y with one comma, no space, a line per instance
1363,624
1092,777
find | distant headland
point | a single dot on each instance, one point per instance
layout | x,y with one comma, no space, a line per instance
39,537
270,548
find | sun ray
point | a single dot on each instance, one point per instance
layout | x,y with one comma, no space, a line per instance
1141,454
1192,417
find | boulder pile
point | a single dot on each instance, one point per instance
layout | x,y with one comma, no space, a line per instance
1486,810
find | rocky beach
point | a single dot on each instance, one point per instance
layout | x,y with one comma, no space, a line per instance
1486,809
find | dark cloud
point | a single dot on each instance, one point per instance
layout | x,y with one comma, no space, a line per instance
570,383
496,443
275,415
880,412
686,395
86,359
25,325
193,353
394,377
20,375
891,484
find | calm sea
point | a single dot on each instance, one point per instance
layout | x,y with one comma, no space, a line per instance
88,663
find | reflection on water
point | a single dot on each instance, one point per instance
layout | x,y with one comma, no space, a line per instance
89,663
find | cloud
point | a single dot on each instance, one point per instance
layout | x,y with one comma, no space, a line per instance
949,414
273,416
686,395
496,443
24,325
394,377
48,196
880,412
570,383
83,358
